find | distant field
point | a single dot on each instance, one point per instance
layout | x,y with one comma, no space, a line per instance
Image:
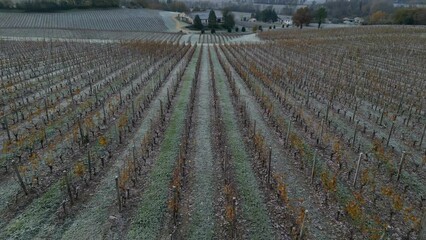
106,20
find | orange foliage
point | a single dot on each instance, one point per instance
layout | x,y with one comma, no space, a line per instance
297,143
103,141
7,146
397,202
79,169
230,213
354,210
337,150
301,216
122,121
34,160
282,189
329,183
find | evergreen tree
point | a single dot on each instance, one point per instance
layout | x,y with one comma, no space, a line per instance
321,14
228,19
197,22
212,19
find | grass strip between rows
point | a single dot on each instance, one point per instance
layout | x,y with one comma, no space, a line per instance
148,221
252,203
203,220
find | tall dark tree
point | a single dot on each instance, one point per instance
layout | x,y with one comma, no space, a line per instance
267,15
105,3
228,19
212,19
197,22
302,16
321,14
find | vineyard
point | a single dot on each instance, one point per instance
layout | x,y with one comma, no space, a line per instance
107,20
113,25
302,135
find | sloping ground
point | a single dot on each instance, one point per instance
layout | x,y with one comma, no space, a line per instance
170,22
34,34
107,25
106,20
242,151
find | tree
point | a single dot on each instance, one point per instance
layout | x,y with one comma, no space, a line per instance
321,14
267,15
385,6
6,4
178,7
302,16
410,16
228,19
197,22
377,17
212,19
105,3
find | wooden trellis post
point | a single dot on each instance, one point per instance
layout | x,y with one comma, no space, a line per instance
357,168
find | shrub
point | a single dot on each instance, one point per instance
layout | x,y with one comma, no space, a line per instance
414,16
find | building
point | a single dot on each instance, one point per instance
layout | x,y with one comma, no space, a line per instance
204,16
185,18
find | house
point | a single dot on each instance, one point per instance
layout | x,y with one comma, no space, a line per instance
204,16
358,20
352,21
185,18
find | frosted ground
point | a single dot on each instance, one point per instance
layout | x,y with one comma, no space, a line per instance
102,25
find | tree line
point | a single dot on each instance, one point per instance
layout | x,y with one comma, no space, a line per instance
406,16
55,5
174,6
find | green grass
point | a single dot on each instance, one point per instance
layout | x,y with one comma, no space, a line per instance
203,219
254,209
7,189
85,222
148,222
90,221
28,223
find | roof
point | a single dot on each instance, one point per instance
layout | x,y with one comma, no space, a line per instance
205,15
